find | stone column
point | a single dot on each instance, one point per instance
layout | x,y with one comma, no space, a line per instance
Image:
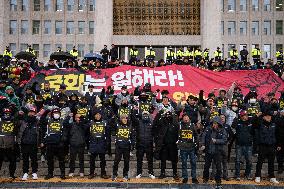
2,41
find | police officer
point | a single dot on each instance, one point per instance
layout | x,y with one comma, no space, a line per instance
179,55
53,136
58,49
8,133
206,54
150,56
74,52
213,141
100,143
218,55
133,56
188,56
123,142
234,57
28,138
7,53
256,53
197,56
170,55
187,144
279,56
30,50
76,136
144,143
267,145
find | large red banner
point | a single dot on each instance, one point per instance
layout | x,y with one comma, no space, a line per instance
178,80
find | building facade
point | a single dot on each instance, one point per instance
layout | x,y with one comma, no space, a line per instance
89,24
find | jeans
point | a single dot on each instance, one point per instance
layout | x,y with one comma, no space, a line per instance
245,151
184,154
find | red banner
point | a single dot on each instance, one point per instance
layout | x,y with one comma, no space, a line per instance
178,80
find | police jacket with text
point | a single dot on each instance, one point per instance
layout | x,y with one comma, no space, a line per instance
8,132
99,137
187,136
28,131
244,132
220,135
124,136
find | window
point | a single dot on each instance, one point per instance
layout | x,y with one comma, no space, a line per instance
81,27
25,5
278,47
267,27
23,46
47,5
36,26
92,4
231,27
231,5
243,5
70,5
222,27
13,27
279,5
91,27
254,27
267,50
58,27
230,47
69,47
81,5
91,48
36,5
13,5
81,48
13,48
36,48
266,5
70,27
46,50
24,27
254,5
279,27
243,27
59,5
47,27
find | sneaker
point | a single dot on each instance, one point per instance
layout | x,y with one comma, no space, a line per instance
91,176
195,181
257,179
25,176
152,176
49,176
81,175
42,158
274,181
184,180
125,178
35,177
139,176
114,177
238,179
71,175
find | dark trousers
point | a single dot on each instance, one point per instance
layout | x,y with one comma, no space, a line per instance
102,163
29,152
280,157
9,153
53,150
119,152
216,157
224,166
164,155
140,151
74,151
265,151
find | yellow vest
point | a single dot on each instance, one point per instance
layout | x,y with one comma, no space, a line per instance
233,53
31,51
74,53
197,53
218,54
188,53
170,53
179,53
150,53
133,52
7,53
255,52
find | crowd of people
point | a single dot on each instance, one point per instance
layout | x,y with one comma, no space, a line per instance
65,126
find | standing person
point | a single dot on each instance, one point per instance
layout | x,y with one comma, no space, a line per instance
144,143
133,56
267,144
244,55
30,50
170,55
74,52
8,133
244,140
218,55
233,58
187,143
197,56
179,56
206,55
123,143
53,136
76,136
113,53
105,53
279,120
256,53
167,135
213,141
100,143
28,138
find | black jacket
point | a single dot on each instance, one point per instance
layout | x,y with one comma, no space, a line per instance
266,131
279,120
144,133
28,132
77,133
244,132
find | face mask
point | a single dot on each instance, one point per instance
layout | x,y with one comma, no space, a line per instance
56,116
7,116
235,108
252,101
